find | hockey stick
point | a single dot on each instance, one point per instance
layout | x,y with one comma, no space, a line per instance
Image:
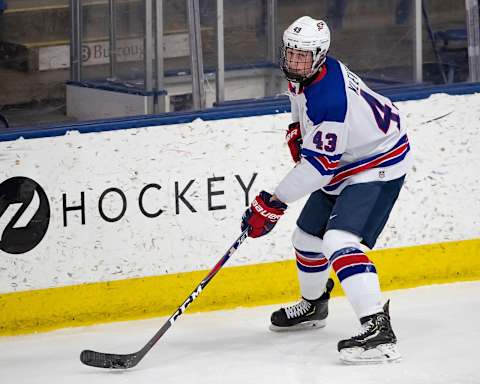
114,361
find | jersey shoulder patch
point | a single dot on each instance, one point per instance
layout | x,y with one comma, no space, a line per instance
327,99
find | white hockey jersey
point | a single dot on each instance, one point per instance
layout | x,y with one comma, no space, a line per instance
351,135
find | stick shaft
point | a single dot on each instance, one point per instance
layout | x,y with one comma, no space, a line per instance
195,293
108,360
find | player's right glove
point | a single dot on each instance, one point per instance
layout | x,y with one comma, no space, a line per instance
294,140
262,215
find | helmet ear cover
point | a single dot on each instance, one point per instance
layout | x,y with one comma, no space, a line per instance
318,58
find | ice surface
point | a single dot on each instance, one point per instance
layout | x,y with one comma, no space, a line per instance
438,329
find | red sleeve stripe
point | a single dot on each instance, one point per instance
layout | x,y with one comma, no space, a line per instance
372,164
327,164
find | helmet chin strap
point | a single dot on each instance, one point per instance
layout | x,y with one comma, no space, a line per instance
321,61
311,78
304,80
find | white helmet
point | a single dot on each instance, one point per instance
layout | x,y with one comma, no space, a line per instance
305,34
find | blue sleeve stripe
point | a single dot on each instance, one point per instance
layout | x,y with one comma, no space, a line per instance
389,161
319,167
403,140
394,160
309,152
332,187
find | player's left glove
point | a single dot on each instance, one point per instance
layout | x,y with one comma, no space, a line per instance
294,141
262,215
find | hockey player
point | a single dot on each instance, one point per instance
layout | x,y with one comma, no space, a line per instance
351,153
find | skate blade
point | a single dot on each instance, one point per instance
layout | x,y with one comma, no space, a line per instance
299,327
385,353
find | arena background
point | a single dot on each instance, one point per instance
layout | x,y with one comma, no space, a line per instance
104,223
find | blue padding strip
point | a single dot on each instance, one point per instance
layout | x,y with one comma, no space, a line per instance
312,255
256,107
354,270
144,121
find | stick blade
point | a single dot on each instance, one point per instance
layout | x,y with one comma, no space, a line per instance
108,360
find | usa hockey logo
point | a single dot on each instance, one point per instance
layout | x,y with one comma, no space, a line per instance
24,215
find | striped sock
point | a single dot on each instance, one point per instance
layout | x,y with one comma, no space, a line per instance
313,268
359,280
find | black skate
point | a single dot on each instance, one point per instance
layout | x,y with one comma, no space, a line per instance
375,343
305,314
